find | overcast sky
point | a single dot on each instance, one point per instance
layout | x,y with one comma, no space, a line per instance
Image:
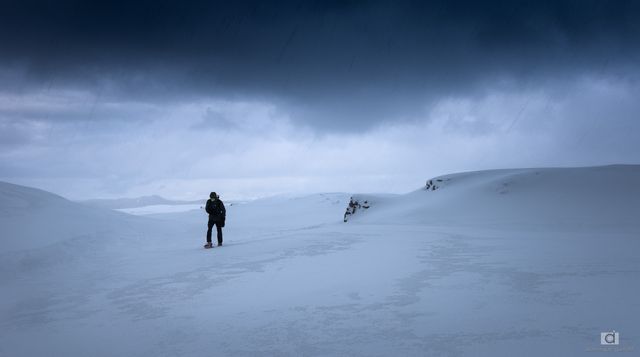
251,99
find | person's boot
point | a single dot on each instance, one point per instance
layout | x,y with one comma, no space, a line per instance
208,245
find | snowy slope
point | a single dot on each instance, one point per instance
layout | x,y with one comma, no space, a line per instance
470,269
569,197
31,218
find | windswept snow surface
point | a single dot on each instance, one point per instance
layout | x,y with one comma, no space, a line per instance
144,201
531,262
35,219
156,209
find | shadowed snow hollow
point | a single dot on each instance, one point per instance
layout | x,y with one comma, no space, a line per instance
581,197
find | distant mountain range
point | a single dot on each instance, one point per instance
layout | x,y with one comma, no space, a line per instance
121,203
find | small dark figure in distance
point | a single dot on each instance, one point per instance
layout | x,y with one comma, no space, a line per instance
217,216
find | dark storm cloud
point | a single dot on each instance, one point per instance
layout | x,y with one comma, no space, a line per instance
327,61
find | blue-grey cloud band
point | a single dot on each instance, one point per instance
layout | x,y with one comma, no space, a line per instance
120,94
352,61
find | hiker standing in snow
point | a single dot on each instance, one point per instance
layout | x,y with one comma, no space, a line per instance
217,216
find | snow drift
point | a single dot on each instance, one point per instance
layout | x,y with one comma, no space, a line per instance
577,197
31,218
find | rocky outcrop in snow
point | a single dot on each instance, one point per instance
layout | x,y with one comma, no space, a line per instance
354,206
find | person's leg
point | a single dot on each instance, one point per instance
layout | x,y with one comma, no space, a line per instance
209,227
219,228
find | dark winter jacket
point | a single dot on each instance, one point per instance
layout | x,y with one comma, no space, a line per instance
215,209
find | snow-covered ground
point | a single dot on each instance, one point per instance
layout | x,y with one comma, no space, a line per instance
136,202
530,262
155,209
